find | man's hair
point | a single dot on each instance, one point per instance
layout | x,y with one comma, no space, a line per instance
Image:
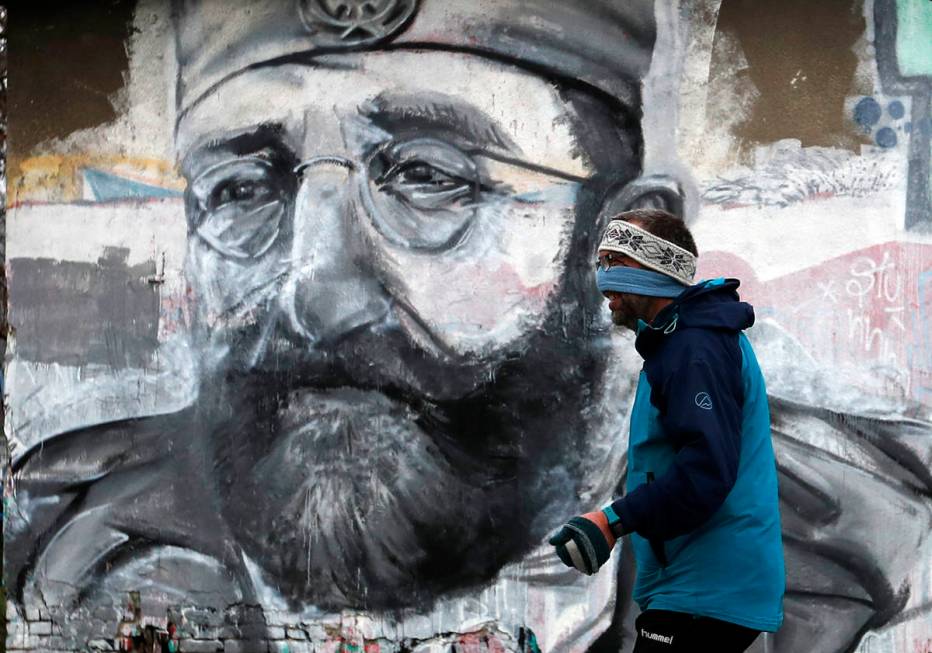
662,224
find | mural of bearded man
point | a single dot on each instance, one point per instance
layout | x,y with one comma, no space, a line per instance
406,375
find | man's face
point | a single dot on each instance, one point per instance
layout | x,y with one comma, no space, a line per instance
626,308
389,327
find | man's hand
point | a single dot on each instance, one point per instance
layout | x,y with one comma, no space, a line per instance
585,542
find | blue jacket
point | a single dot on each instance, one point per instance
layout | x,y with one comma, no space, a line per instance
701,496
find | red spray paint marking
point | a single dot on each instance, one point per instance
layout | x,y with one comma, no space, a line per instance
478,643
870,309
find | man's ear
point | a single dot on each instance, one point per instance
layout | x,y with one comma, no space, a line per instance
649,192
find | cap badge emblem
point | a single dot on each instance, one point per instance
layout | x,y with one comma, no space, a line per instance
347,23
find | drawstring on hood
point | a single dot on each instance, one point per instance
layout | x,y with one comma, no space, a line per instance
710,304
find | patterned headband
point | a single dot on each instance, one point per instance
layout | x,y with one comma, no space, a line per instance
650,251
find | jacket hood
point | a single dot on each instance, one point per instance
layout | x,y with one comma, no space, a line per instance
711,304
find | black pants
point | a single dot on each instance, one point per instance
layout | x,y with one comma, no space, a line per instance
661,630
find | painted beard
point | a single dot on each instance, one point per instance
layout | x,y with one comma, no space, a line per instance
379,477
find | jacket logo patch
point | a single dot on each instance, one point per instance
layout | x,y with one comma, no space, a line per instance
704,401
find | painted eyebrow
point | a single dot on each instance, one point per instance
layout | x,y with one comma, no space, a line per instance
248,140
402,113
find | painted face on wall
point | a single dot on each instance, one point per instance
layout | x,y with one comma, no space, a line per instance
395,313
365,196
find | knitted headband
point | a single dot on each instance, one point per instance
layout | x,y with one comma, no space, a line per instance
649,250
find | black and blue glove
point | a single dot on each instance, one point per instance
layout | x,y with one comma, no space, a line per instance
585,542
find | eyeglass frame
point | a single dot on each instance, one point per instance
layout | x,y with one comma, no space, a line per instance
360,167
605,261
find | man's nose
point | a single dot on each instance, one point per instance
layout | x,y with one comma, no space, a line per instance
331,290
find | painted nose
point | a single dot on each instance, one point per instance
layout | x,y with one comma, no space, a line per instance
331,291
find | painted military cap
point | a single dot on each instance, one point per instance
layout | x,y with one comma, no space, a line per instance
603,44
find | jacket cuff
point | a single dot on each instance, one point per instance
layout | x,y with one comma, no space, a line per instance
615,522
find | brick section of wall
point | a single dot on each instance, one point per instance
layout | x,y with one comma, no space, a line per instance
239,629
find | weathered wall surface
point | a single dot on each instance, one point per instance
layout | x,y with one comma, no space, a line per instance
305,348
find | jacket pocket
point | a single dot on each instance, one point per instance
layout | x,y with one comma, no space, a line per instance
656,546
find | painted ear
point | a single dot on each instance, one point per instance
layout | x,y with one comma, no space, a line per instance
649,192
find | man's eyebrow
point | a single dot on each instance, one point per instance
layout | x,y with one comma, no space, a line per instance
240,142
400,113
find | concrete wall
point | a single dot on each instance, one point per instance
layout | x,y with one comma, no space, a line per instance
305,350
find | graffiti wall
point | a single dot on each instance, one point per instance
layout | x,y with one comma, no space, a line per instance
305,351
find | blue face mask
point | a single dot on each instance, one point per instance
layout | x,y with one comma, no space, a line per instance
638,281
